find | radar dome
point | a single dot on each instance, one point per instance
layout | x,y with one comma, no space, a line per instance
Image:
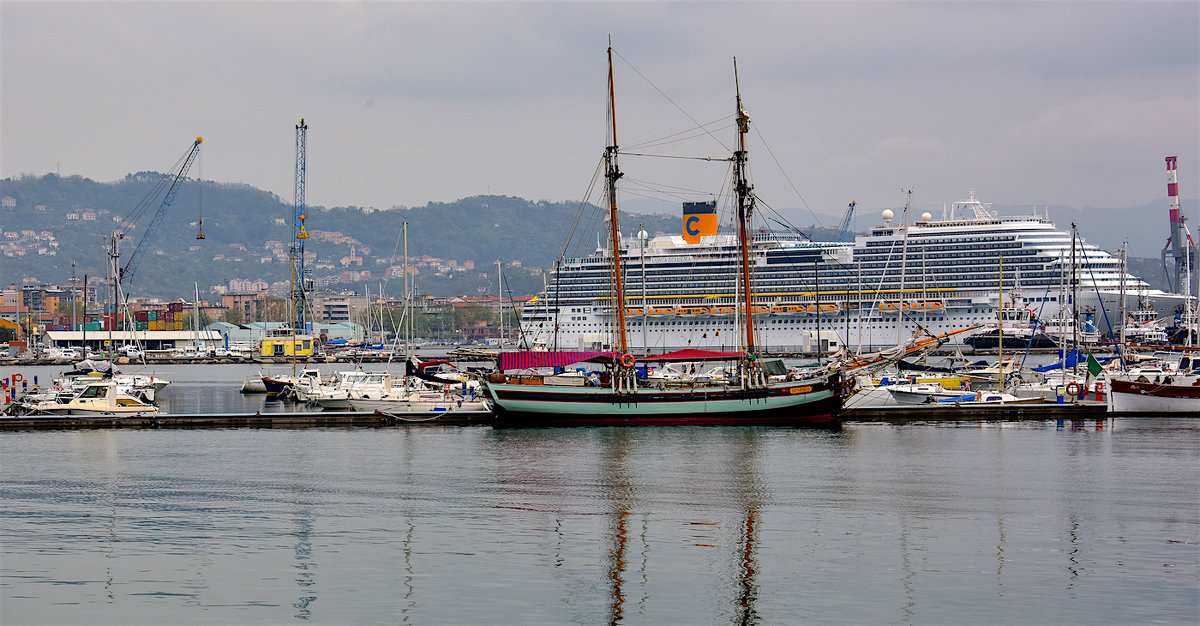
888,215
926,217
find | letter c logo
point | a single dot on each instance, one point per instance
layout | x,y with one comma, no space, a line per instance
690,225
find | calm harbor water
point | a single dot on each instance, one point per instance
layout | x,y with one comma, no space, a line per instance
1033,522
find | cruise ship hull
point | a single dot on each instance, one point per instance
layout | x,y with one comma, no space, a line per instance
932,275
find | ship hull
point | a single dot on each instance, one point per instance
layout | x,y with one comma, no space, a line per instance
1152,398
812,403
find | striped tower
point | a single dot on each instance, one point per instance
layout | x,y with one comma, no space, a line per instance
1179,246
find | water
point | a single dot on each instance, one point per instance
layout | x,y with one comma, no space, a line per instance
1095,522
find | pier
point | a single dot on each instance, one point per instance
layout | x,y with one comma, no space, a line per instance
982,412
343,419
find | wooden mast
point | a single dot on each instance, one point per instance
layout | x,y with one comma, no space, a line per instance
745,205
612,174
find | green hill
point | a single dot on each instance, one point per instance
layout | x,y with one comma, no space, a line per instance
240,222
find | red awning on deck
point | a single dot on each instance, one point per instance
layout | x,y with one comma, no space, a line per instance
692,354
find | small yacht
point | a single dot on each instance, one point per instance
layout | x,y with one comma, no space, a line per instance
97,397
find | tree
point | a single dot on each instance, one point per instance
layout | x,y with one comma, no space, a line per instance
65,304
233,316
469,314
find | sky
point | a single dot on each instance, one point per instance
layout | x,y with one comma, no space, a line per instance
1025,103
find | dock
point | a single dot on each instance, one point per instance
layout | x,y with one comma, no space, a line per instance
299,419
341,419
988,412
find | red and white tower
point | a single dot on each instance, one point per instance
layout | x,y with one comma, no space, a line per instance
1180,243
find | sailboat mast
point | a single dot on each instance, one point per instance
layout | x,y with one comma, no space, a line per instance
408,308
611,174
1124,253
1074,294
744,208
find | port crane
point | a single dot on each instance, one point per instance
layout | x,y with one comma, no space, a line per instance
118,273
178,173
301,279
844,227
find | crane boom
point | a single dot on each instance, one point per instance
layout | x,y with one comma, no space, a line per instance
844,227
177,177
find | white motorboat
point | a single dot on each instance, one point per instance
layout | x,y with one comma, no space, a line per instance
352,385
425,401
99,397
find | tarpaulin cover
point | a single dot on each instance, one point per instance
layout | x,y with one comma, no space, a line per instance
774,367
530,359
1073,359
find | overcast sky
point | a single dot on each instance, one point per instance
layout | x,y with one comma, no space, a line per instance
1059,103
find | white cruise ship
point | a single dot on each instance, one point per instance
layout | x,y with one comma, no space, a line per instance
941,275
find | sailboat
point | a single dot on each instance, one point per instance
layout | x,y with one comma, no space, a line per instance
748,396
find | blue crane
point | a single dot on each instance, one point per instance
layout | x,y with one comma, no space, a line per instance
301,282
844,227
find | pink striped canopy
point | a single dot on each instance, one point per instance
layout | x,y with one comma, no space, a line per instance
530,359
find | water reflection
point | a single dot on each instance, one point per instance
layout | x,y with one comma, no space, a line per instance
306,575
301,496
734,486
748,526
746,475
620,493
406,582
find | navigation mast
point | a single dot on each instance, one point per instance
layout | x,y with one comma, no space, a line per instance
745,207
611,174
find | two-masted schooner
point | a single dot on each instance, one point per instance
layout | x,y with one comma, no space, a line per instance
748,395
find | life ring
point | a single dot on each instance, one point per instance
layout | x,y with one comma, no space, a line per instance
627,360
1073,388
17,378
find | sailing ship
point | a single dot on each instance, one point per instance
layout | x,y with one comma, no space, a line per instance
618,396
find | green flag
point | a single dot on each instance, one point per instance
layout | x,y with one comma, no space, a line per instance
1093,365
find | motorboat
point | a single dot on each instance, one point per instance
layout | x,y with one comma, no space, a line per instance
425,401
352,385
97,397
